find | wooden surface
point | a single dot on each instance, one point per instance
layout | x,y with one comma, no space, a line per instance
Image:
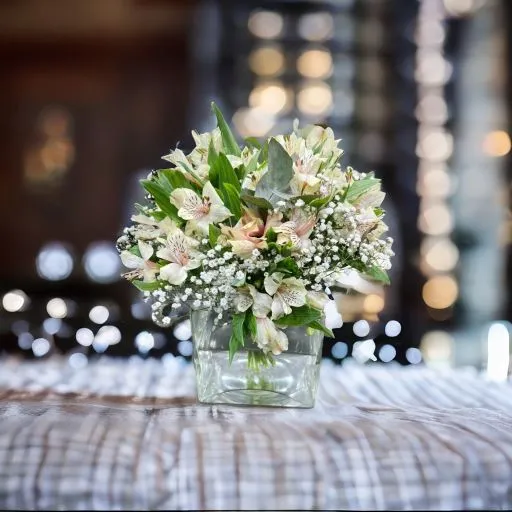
128,434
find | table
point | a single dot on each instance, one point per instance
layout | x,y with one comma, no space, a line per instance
128,434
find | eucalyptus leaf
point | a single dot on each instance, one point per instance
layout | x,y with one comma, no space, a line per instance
257,202
228,139
276,180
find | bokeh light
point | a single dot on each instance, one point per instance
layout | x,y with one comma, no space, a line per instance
54,262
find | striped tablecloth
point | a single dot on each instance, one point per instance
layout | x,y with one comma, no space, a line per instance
128,434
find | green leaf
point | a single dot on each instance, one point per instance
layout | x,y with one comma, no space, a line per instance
302,315
320,202
146,287
162,199
212,154
253,142
271,235
258,202
134,249
379,211
176,179
250,324
377,274
226,172
213,234
253,163
231,199
264,153
358,188
280,172
236,341
319,326
228,139
288,266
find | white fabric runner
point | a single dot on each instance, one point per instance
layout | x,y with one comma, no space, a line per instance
127,434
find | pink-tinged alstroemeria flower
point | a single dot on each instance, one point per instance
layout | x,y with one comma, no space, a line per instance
296,230
249,233
200,211
142,265
180,252
285,292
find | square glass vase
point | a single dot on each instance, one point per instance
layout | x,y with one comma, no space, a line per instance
292,381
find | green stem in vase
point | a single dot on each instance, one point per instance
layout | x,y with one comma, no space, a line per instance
257,358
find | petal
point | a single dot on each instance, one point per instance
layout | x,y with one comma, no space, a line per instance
217,214
131,260
279,342
351,279
262,303
144,219
333,319
263,331
189,203
272,282
317,300
146,250
293,292
278,307
244,300
210,193
242,248
173,273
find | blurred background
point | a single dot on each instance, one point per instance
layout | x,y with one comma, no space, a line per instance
93,92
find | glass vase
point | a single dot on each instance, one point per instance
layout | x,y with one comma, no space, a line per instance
291,381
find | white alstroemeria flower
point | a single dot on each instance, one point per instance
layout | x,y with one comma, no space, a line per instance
320,300
200,211
285,292
261,302
351,279
269,338
179,251
297,229
142,265
148,228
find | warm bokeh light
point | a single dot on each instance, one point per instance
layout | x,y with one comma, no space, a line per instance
437,347
435,145
315,98
497,143
254,122
373,303
434,184
266,24
440,254
271,97
440,292
435,219
15,300
315,64
266,61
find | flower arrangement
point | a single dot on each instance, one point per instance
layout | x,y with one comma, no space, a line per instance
261,232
